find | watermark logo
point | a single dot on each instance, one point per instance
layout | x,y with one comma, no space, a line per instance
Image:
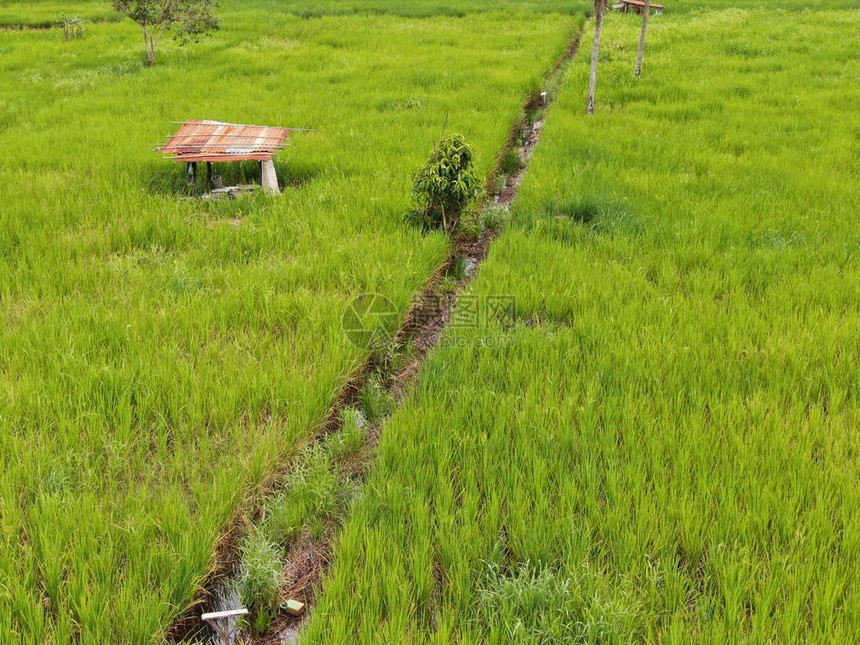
479,321
370,321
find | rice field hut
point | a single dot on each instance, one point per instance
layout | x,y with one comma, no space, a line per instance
217,142
637,7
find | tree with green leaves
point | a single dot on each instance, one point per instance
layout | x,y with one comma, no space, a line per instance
187,19
445,185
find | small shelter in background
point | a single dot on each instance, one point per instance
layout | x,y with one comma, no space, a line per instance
216,142
636,6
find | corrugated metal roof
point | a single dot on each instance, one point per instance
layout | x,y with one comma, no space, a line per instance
641,3
217,141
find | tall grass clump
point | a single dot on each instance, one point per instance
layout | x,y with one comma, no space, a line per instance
375,400
348,440
260,579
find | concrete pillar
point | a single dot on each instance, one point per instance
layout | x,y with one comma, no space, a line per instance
268,178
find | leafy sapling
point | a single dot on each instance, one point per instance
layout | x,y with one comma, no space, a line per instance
187,19
444,186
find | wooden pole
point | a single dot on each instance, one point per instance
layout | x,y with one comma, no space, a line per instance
599,6
641,53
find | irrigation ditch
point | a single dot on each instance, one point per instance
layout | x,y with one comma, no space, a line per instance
57,24
389,372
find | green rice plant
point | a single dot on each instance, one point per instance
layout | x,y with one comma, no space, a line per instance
385,356
458,269
44,13
498,184
576,218
468,225
532,604
529,605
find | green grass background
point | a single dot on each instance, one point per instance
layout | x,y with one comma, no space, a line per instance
46,12
160,357
665,448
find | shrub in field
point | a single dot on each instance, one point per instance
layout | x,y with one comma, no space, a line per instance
445,185
498,184
72,26
260,579
189,18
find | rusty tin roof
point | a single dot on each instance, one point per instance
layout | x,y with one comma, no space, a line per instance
641,3
217,141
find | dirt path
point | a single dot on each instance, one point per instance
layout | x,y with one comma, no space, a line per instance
307,559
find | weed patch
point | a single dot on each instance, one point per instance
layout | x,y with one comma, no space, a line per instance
532,604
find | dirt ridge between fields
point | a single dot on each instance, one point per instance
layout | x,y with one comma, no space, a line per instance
307,559
56,25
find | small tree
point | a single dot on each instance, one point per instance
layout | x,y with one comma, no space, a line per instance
641,53
599,10
189,19
445,185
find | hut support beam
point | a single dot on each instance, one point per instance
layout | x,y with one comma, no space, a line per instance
268,178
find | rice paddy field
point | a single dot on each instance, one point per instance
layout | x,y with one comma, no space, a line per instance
160,357
661,448
665,447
